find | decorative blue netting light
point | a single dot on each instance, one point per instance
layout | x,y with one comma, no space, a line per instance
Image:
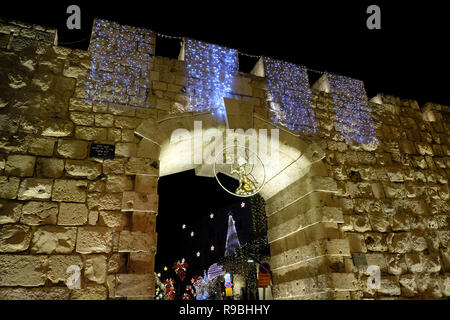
210,70
120,61
353,115
289,95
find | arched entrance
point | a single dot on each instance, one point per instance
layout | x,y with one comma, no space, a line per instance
302,212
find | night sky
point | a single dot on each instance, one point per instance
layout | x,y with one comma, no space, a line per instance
185,198
408,57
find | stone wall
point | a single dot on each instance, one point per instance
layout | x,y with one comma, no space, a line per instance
59,207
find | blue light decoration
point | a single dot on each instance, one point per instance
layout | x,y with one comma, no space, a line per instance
120,57
289,95
353,115
211,69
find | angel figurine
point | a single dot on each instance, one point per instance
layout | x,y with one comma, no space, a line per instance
246,186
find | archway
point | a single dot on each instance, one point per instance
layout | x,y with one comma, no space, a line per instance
298,193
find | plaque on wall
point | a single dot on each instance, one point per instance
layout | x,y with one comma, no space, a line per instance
103,151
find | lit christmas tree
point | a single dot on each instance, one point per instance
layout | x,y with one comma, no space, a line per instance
232,242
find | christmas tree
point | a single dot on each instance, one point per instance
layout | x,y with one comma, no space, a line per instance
232,241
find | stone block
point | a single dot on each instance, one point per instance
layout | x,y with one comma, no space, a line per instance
396,264
376,259
135,285
50,167
148,149
10,211
133,201
431,262
394,191
79,105
82,168
58,265
399,242
113,219
401,221
141,263
127,122
116,183
360,223
44,293
82,118
9,187
376,242
90,292
72,149
95,269
356,242
146,184
342,281
111,285
114,134
445,254
20,166
414,262
64,83
444,238
72,214
389,286
424,148
379,221
35,213
126,150
69,190
128,136
428,286
42,147
94,240
106,202
117,262
115,166
408,285
14,238
57,128
418,242
93,217
52,239
35,189
91,134
446,285
104,120
22,270
120,110
144,222
137,242
142,166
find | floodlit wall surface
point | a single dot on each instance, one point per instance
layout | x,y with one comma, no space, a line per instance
378,197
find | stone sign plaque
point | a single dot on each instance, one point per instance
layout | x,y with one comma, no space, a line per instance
103,151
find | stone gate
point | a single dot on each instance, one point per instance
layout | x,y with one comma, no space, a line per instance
358,182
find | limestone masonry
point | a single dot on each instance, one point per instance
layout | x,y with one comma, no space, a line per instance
345,207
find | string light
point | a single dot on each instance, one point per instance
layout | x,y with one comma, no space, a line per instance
353,115
289,95
210,69
120,58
